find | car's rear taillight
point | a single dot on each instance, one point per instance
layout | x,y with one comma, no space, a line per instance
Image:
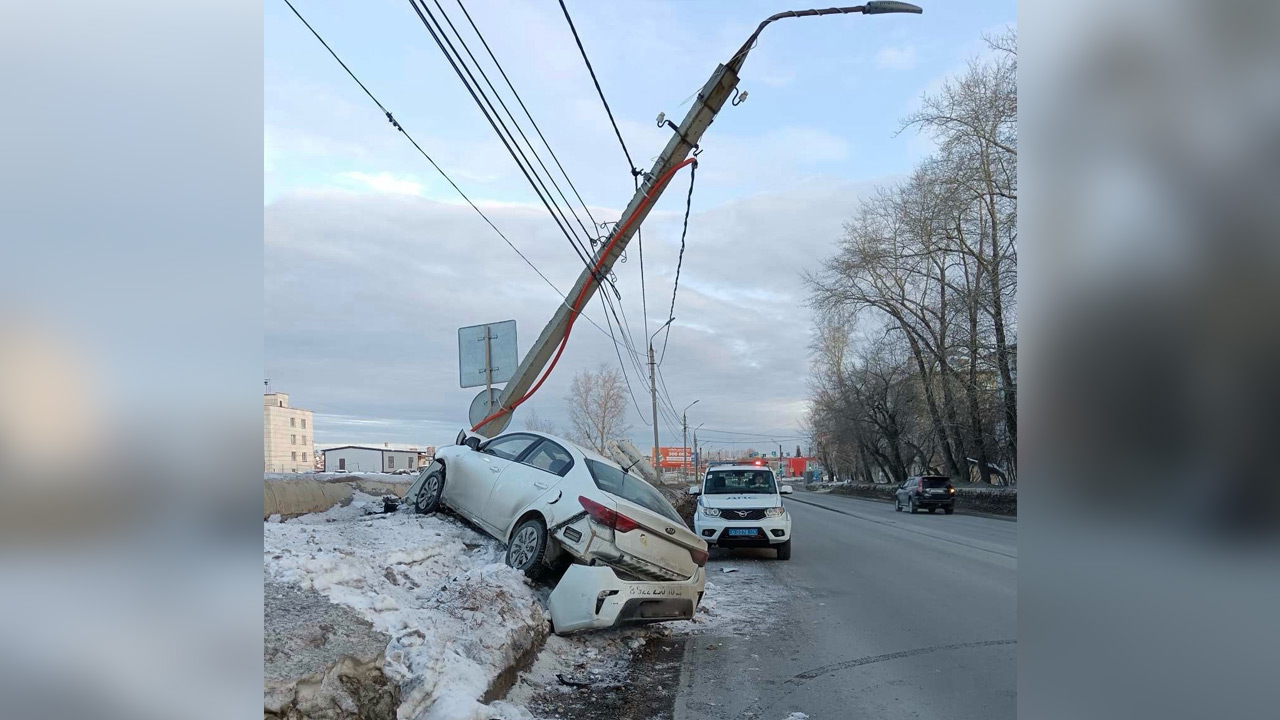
608,518
699,557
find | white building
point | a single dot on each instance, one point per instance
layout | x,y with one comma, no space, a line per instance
367,458
287,440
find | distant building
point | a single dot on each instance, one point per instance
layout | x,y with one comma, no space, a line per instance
287,441
370,458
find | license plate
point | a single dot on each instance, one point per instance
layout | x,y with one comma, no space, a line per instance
742,531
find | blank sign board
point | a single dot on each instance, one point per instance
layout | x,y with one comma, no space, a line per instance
501,337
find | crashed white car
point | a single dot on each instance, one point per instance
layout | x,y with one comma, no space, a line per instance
630,557
741,506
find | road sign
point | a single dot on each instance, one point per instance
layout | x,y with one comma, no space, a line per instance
486,354
482,408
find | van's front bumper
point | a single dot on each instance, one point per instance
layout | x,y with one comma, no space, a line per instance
593,596
769,531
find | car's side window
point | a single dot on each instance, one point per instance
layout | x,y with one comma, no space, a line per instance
550,457
508,447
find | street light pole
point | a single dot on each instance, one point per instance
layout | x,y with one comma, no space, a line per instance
653,395
722,85
684,424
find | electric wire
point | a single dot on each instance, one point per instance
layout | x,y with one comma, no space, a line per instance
634,170
693,173
536,129
491,115
395,123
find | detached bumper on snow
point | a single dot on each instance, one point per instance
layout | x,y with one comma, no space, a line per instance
591,597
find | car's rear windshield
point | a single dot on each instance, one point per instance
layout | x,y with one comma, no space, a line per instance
934,482
629,487
737,482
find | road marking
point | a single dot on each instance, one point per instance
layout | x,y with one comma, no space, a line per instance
900,526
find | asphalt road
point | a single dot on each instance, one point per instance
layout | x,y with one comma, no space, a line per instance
885,615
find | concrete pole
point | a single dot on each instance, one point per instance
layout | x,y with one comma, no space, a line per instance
653,394
684,432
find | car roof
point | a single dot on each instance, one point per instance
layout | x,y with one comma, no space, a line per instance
740,467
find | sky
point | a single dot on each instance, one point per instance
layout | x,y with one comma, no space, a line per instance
372,261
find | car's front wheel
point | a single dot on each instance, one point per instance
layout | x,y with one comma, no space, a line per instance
527,547
428,500
897,504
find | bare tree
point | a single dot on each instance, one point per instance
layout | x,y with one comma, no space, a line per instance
915,351
598,407
535,422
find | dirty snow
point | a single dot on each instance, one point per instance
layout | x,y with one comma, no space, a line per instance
457,616
796,716
743,597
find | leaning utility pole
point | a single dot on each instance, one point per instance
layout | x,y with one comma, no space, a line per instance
712,96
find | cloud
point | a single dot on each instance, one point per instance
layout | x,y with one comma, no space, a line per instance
893,58
386,183
364,294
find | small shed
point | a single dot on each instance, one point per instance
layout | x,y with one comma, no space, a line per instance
364,458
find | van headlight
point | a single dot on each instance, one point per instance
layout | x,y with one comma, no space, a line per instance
710,511
774,512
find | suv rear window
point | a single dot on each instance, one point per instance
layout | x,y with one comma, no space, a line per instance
935,482
629,487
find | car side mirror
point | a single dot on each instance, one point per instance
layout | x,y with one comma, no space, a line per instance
785,490
462,438
472,442
695,490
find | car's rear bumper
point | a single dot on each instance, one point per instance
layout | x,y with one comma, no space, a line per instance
593,596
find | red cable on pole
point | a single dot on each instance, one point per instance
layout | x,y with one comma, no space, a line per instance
577,302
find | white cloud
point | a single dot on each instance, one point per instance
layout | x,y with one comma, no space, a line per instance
386,183
892,58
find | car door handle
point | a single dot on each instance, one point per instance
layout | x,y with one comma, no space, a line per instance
495,469
541,485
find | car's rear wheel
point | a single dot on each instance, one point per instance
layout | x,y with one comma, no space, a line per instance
527,547
911,505
428,500
784,551
949,510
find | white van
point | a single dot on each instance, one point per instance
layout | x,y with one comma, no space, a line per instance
741,506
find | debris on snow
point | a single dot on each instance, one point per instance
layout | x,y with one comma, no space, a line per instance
728,569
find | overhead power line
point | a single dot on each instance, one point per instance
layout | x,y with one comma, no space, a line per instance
396,124
631,165
688,204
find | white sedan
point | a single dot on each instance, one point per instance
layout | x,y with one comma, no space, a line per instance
630,557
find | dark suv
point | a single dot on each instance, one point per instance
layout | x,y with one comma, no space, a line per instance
928,491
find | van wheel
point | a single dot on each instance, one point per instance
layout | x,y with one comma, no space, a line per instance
784,551
527,547
428,500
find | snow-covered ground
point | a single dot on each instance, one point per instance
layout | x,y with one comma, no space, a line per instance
458,617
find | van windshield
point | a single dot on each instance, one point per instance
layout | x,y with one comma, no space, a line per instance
738,482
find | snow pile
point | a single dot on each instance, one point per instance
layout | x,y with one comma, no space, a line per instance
456,615
796,716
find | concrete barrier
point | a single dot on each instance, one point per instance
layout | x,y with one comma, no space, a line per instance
292,496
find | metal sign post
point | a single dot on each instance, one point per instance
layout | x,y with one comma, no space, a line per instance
487,356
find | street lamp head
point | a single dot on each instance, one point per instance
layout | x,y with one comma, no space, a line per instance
880,7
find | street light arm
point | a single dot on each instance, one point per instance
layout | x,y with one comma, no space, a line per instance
873,7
